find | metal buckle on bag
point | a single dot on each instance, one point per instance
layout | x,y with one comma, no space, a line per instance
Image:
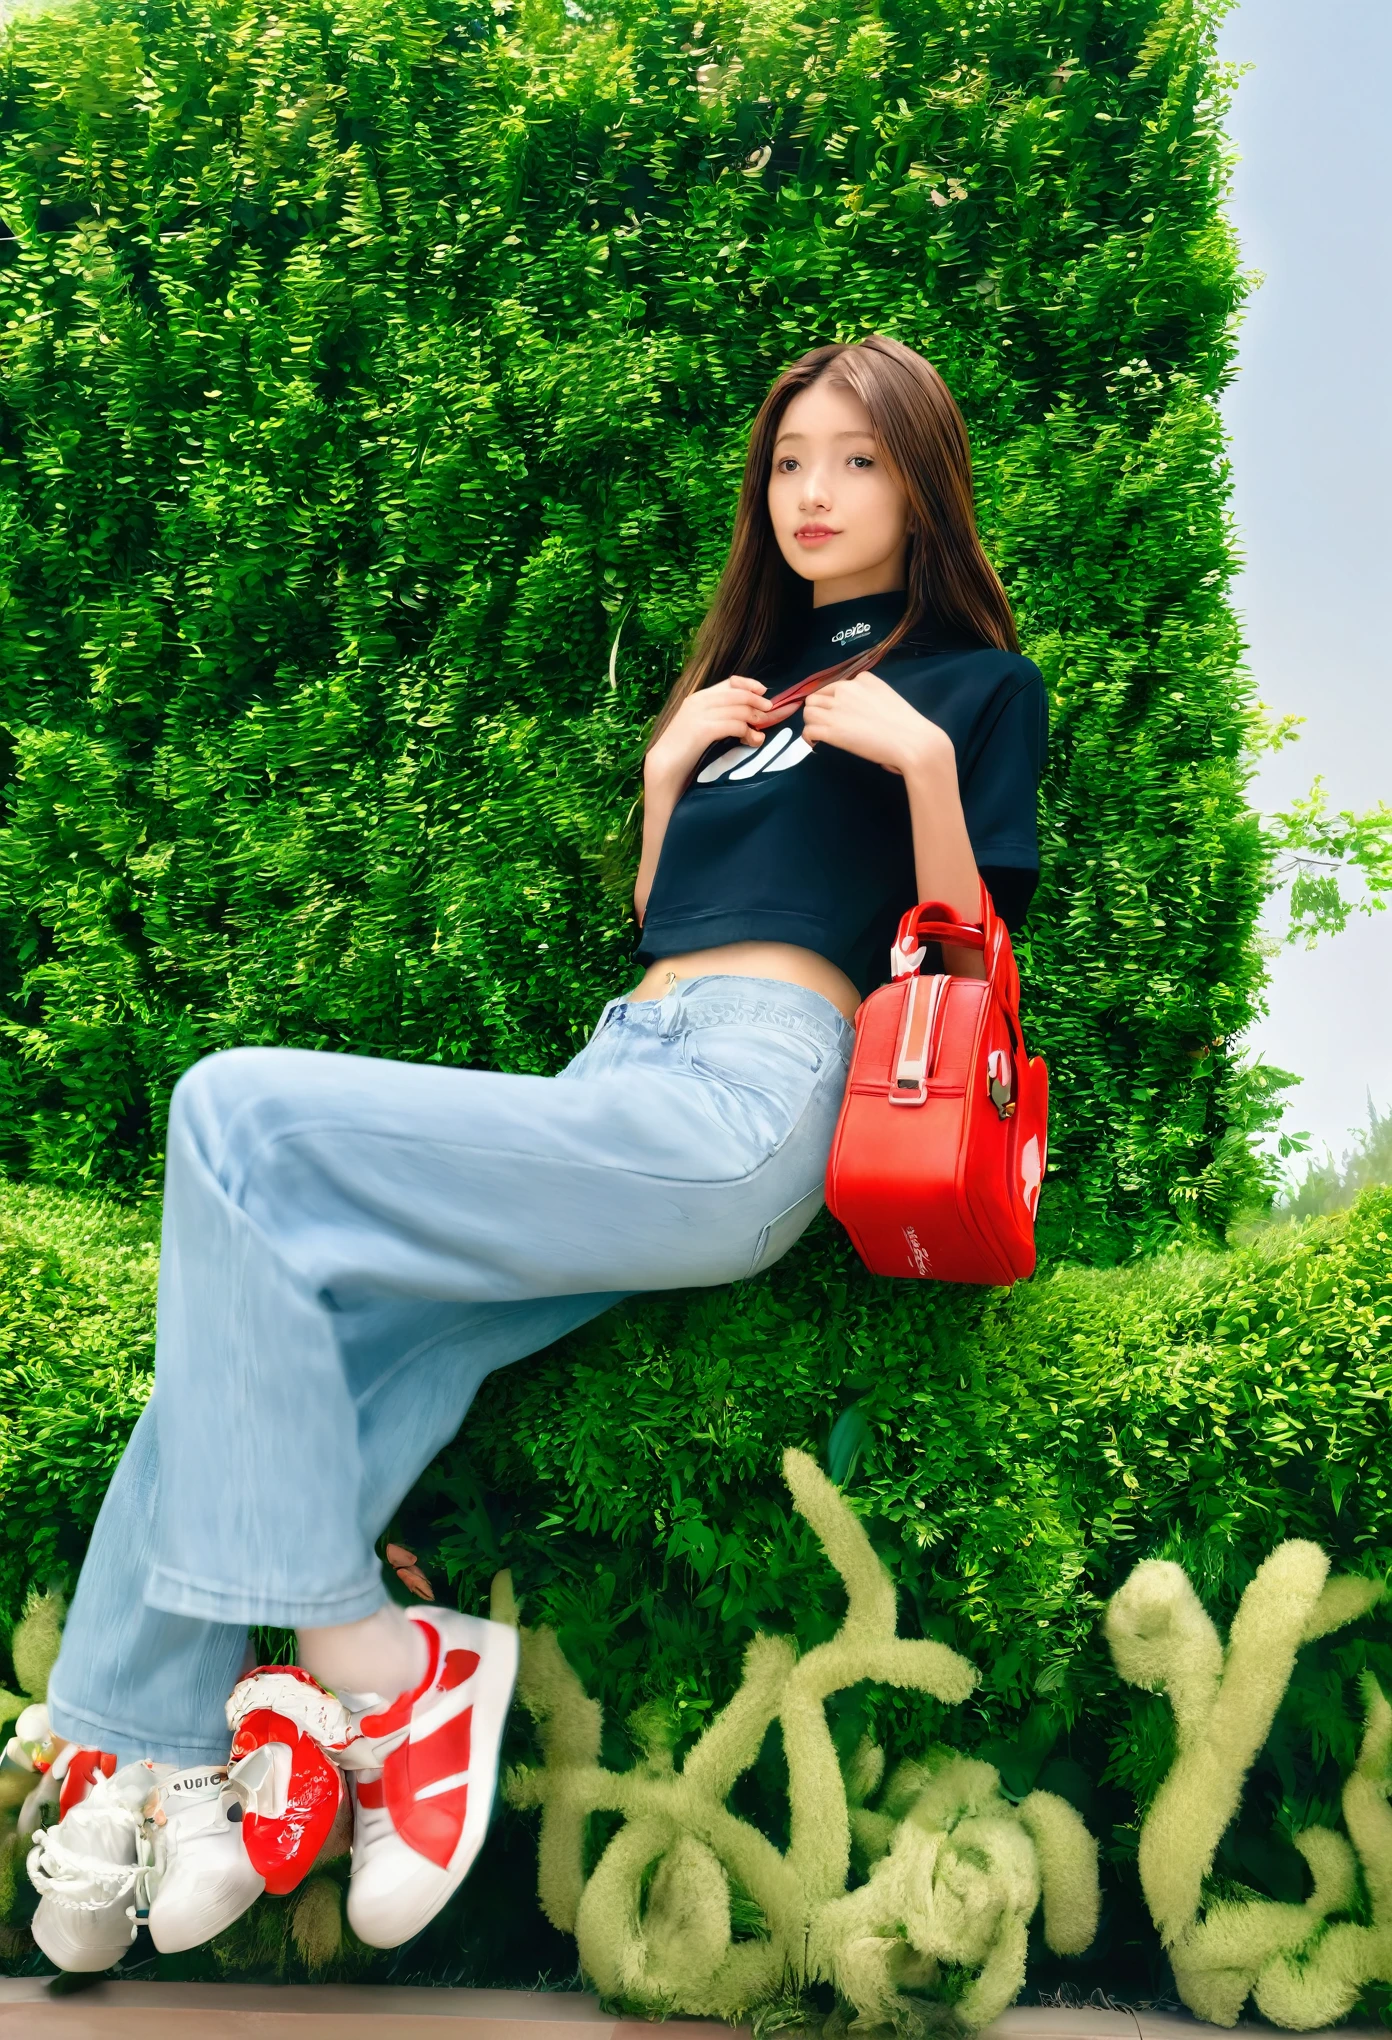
1000,1083
912,1068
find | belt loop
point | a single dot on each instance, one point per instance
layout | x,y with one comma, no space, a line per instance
669,1011
608,1012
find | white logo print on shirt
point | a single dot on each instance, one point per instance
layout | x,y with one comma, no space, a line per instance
745,761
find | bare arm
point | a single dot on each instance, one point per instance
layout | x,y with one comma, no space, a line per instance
866,716
660,796
943,861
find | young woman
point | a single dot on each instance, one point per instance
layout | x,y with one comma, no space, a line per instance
350,1246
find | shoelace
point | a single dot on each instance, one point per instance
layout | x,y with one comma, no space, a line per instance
55,1867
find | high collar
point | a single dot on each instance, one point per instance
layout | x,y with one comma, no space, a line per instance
838,629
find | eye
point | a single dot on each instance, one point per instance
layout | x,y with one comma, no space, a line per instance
862,460
786,465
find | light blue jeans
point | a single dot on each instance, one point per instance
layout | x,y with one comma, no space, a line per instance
349,1247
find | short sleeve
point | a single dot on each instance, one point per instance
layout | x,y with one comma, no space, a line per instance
1011,887
1000,790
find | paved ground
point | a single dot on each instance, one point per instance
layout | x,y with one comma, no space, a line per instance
233,2011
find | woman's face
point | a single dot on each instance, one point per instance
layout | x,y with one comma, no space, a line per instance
838,513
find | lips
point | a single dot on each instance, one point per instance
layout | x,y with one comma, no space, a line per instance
808,534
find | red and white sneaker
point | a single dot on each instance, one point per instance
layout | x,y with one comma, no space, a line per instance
77,1770
288,1735
422,1773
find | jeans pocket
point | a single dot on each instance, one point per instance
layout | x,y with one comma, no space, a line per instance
755,1081
758,1058
784,1231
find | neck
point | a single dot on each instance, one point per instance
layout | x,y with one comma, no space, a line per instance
887,579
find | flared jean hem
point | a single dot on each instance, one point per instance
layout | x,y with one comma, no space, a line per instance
177,1595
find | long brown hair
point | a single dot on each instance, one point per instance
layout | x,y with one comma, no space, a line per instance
923,439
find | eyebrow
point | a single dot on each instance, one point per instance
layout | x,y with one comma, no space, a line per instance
860,432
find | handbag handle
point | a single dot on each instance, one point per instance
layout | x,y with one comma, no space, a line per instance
935,921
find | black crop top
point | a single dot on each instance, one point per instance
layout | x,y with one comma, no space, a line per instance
790,843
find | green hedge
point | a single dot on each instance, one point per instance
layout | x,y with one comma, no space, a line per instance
1012,1455
367,377
77,1349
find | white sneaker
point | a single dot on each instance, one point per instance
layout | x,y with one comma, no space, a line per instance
89,1871
200,1878
422,1773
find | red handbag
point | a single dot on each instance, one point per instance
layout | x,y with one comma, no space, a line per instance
940,1148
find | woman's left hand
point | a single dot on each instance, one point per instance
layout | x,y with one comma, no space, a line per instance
864,715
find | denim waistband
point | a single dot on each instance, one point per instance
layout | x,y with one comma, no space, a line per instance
715,1001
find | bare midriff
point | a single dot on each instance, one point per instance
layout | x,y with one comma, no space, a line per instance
783,961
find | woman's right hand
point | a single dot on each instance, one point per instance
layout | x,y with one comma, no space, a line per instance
735,709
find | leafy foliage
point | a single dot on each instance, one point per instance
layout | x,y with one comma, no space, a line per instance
77,1345
365,376
1018,1454
1022,1451
1317,848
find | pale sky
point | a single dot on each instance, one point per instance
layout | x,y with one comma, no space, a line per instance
1311,421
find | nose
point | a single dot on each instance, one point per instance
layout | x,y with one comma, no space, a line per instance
814,493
